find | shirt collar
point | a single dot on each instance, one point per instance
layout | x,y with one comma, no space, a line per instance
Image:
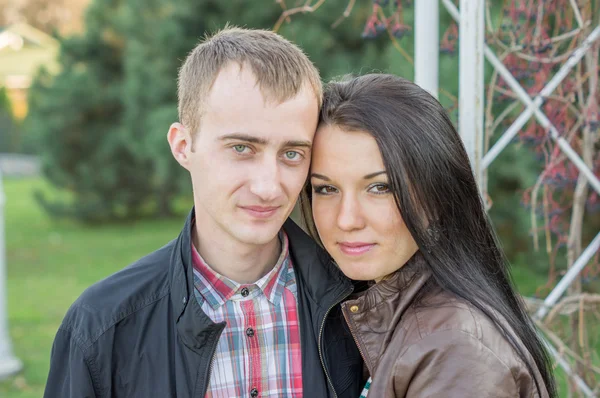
217,289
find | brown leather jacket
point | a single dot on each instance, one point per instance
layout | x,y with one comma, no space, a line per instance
440,347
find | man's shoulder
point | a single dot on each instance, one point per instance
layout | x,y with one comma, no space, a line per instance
120,295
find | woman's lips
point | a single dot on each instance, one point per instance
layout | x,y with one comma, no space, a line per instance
355,248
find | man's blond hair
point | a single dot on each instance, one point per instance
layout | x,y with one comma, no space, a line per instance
281,69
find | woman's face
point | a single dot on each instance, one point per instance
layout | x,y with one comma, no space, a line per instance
354,211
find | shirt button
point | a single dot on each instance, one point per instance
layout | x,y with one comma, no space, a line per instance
354,308
250,332
254,393
245,292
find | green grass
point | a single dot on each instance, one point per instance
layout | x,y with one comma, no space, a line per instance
51,262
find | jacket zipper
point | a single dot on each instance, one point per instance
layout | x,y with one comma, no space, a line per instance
353,333
210,368
346,294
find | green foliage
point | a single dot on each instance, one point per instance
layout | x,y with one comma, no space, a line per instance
76,120
50,263
514,171
341,50
9,128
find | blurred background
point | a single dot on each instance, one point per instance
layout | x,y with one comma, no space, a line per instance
88,91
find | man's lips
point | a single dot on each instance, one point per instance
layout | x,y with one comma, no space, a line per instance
260,211
355,248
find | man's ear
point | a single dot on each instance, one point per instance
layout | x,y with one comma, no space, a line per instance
180,142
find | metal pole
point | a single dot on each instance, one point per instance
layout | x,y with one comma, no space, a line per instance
471,91
427,45
566,280
9,364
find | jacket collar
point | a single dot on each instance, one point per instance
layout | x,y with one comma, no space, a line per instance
316,274
320,277
196,329
378,310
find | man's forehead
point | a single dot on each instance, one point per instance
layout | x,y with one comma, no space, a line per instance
231,82
237,81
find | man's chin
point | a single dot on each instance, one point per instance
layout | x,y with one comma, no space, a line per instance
259,233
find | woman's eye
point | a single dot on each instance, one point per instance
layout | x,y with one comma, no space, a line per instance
379,189
324,190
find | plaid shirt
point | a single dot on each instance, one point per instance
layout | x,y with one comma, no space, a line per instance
258,353
365,390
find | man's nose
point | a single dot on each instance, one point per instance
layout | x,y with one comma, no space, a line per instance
266,180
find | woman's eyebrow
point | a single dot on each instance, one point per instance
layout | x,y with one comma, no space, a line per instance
373,175
319,176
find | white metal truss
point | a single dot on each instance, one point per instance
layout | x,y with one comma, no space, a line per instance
427,53
471,81
471,102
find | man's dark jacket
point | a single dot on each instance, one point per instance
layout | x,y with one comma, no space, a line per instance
141,332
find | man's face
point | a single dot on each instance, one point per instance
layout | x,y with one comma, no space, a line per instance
249,159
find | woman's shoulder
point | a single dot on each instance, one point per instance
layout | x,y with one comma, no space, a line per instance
438,311
448,335
444,314
442,319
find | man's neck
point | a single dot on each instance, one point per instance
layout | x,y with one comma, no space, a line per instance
239,262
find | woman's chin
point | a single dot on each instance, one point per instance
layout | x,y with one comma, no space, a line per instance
356,274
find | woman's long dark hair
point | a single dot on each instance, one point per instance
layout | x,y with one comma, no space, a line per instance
436,193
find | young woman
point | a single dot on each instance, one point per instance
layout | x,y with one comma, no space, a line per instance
394,201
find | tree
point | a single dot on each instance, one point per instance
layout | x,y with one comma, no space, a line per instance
8,126
76,118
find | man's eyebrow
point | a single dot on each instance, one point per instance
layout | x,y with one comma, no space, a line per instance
298,143
244,137
263,141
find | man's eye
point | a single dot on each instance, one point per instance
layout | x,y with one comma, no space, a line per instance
379,188
240,148
292,155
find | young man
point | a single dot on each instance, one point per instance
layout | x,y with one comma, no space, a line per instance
242,303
